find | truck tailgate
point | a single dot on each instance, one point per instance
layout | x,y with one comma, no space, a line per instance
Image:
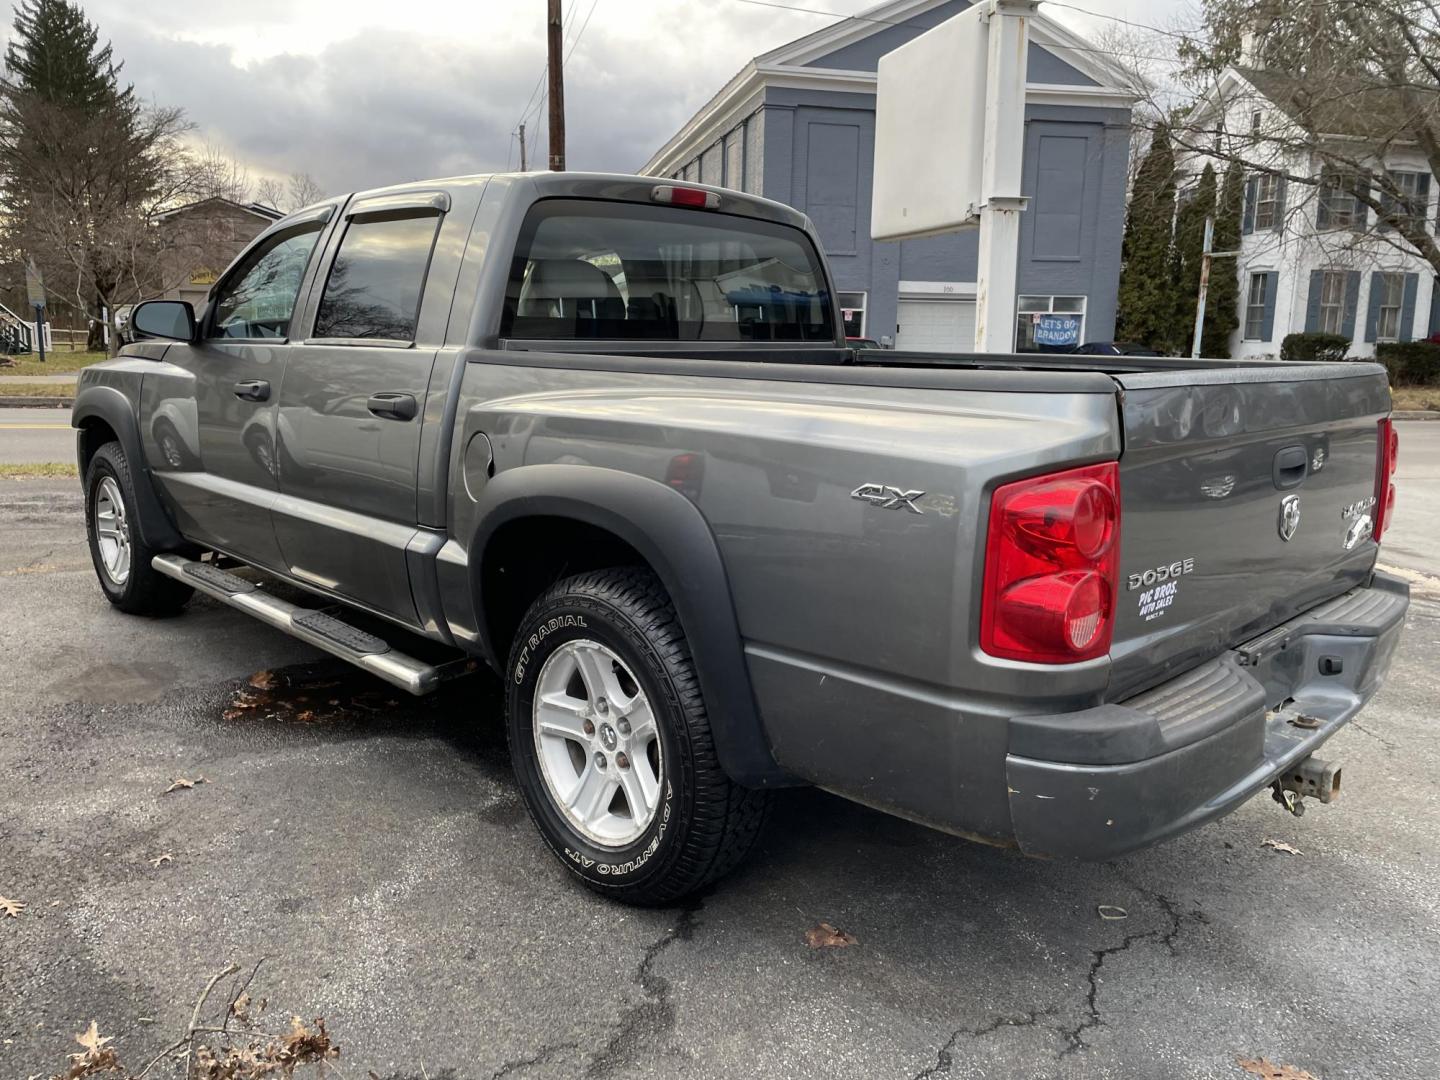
1245,495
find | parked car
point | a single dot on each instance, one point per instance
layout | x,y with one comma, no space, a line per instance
605,436
1113,348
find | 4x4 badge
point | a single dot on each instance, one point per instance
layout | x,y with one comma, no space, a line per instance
887,497
1289,516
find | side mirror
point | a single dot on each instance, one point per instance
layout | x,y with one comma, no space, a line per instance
173,319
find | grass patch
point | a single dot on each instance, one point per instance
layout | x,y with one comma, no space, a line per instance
56,363
37,389
40,470
1415,397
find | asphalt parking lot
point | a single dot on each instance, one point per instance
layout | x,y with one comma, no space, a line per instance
375,855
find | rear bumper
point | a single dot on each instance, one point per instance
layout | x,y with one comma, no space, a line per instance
1104,781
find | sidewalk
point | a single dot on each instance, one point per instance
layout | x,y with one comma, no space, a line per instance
59,377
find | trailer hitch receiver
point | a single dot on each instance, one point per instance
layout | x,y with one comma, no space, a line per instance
1312,778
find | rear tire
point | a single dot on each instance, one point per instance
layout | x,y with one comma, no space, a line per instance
664,820
120,554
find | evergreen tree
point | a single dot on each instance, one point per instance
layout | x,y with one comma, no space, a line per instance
1222,302
1147,287
1189,249
56,55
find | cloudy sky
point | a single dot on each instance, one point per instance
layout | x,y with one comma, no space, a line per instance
361,93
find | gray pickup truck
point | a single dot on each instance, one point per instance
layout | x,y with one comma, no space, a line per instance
605,435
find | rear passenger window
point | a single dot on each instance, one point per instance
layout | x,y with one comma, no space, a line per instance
374,286
590,269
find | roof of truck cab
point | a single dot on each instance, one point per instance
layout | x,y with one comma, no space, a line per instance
594,185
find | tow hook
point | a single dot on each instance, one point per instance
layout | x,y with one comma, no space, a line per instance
1313,778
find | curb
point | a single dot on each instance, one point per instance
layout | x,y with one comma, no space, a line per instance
1415,414
35,402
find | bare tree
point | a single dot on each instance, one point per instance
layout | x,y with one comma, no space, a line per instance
303,190
271,192
214,174
297,190
1330,94
84,190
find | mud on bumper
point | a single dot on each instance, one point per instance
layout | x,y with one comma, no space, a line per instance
1108,780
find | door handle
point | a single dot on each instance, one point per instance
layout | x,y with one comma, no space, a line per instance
1292,464
253,390
393,406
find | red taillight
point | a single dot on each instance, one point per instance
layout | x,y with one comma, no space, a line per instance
1051,557
1387,455
684,196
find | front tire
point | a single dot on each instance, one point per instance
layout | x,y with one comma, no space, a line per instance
611,743
120,554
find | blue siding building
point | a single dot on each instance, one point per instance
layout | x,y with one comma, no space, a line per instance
797,124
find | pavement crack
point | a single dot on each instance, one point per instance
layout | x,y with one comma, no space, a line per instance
541,1057
645,1022
1166,936
945,1056
1378,738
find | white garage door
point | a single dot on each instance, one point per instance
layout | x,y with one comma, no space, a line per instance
936,325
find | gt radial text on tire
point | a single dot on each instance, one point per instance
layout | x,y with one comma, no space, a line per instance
120,554
611,742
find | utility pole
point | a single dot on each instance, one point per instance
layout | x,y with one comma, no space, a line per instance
557,88
1002,151
1206,255
524,165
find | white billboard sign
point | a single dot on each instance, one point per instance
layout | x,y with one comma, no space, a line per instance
929,130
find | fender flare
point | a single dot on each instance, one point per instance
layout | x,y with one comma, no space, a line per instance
109,404
671,533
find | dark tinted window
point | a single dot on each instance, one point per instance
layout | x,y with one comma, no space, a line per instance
258,299
374,286
626,271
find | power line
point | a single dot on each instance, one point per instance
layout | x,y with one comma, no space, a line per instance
902,22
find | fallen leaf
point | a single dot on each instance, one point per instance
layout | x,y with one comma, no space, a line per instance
182,784
240,1007
1280,845
90,1039
96,1057
306,716
826,936
11,908
1271,1071
264,680
161,860
1111,912
232,714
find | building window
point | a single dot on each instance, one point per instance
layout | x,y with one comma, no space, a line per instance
1337,206
1411,202
1332,302
1389,298
1267,202
852,310
1049,323
1255,302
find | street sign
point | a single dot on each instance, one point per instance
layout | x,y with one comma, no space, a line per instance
34,285
929,128
949,145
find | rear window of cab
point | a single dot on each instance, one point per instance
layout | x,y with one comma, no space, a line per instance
586,269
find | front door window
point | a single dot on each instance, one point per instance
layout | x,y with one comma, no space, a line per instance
257,301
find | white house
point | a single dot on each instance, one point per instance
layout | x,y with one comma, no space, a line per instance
1312,256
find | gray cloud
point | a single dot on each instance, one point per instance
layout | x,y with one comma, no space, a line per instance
361,93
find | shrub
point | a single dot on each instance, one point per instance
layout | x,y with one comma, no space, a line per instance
1411,363
1327,348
